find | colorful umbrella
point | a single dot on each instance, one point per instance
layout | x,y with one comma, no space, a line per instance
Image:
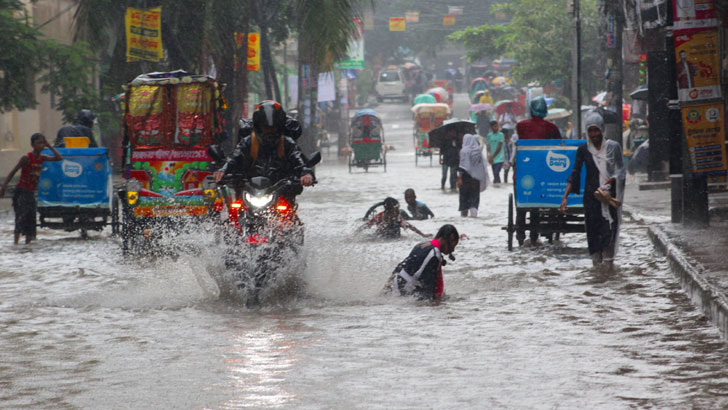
440,94
481,107
424,99
516,108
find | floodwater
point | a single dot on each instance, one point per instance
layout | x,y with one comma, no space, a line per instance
82,327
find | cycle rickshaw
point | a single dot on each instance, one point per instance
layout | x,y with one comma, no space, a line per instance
76,193
427,117
541,172
367,141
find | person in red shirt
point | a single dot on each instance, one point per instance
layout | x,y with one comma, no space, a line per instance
534,128
24,202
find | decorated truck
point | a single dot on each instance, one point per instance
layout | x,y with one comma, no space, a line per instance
170,119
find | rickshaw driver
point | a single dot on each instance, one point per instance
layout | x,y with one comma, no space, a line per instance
534,128
267,151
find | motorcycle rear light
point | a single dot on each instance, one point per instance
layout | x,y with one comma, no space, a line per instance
236,205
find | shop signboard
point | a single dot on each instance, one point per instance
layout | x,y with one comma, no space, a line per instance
703,126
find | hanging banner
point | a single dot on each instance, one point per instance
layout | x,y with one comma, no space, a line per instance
694,14
454,10
397,24
144,34
448,20
697,64
326,90
412,16
355,53
253,50
703,126
368,18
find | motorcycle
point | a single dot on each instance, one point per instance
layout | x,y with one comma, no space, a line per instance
262,230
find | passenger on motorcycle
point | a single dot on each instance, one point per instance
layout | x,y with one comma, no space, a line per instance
267,150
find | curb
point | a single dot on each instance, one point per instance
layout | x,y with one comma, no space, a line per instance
711,300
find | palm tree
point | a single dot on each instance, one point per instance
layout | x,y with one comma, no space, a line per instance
325,28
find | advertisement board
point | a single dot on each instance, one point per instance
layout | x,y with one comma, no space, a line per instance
355,53
694,14
143,34
542,168
704,133
81,179
697,64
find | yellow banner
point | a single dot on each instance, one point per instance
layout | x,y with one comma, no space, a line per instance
697,64
704,130
253,50
448,20
144,34
397,24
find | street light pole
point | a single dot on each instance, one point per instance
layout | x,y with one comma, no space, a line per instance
576,72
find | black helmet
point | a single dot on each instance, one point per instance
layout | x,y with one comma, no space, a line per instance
86,118
269,113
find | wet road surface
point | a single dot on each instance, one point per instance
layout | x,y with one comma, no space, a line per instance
81,327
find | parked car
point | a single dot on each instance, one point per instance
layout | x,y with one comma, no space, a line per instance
391,84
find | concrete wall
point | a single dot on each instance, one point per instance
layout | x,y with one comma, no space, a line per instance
16,127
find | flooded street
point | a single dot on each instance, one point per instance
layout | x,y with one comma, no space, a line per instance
81,327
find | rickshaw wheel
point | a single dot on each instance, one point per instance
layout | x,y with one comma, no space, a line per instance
510,222
115,215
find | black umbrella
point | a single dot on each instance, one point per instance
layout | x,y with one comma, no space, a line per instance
639,93
438,136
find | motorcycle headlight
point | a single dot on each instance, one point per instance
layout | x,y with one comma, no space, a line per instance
257,201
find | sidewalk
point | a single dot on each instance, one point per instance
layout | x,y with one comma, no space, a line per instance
698,256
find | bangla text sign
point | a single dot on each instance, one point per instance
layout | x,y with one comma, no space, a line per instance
703,127
143,34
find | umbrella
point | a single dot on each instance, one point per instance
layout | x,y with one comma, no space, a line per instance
438,136
557,113
600,98
516,108
501,80
639,93
424,99
481,107
440,94
431,108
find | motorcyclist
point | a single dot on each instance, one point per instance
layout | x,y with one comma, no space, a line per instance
81,127
266,150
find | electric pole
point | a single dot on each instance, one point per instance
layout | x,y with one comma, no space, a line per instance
614,68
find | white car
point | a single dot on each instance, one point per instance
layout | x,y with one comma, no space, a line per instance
391,84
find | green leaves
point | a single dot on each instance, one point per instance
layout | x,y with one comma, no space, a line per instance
28,59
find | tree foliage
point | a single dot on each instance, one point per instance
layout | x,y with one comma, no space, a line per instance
538,36
29,59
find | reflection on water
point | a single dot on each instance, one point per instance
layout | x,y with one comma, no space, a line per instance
258,362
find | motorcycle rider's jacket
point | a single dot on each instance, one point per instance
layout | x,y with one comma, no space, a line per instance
251,158
418,273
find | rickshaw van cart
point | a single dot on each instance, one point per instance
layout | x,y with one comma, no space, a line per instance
542,168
